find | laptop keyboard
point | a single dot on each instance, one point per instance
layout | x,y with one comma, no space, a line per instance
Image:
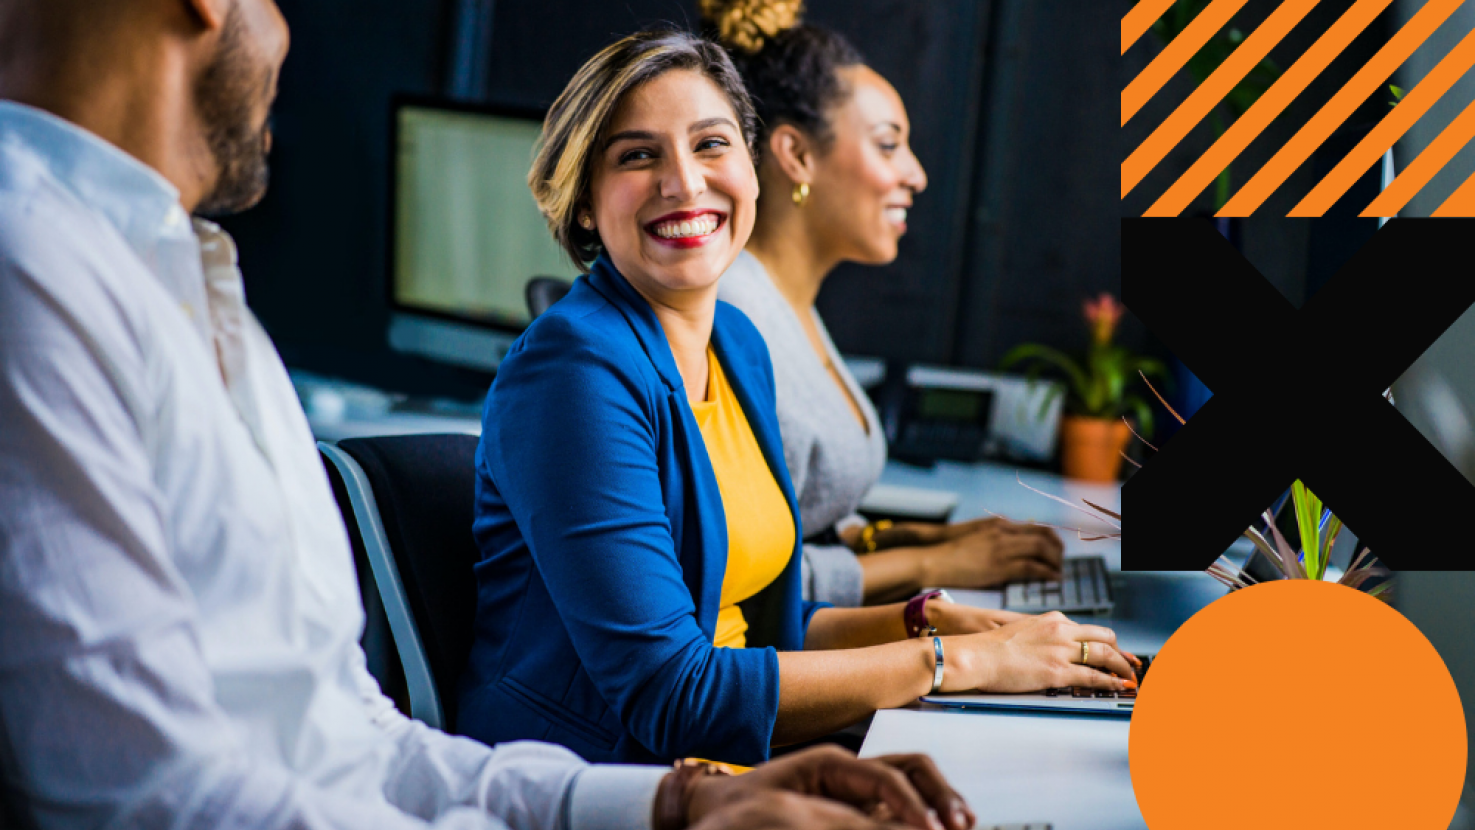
1084,692
1084,585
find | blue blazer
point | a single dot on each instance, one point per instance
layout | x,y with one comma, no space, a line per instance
604,544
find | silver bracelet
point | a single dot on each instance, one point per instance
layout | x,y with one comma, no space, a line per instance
937,673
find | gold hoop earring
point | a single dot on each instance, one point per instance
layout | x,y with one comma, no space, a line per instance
800,194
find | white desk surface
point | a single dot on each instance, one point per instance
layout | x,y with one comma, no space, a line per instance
1070,771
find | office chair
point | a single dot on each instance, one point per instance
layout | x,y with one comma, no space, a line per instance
411,502
542,292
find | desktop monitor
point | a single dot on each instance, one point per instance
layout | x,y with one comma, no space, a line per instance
465,234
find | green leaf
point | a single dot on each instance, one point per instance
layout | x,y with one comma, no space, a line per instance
1038,354
1308,520
1397,91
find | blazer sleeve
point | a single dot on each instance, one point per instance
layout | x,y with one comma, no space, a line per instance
571,440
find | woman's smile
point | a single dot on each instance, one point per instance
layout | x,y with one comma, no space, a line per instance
686,228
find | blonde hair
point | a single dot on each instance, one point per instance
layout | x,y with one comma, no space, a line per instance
745,25
580,116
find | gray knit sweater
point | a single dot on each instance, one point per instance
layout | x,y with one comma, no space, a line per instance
831,459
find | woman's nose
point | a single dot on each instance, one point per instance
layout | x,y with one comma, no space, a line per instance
916,177
684,179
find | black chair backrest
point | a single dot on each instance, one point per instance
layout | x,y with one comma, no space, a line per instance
542,292
424,486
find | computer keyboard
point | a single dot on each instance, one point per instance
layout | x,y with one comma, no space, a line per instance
1084,587
1084,692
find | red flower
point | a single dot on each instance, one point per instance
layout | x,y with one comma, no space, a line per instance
1103,313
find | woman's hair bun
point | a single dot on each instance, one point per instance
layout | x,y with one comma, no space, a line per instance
745,25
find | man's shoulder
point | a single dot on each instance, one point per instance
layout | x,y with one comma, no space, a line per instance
62,267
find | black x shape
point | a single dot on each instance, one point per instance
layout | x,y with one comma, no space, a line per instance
1298,394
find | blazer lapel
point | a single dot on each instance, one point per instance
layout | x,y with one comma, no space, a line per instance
703,564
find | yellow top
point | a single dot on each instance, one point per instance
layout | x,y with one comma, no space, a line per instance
760,528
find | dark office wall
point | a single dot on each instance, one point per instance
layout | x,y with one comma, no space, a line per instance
313,251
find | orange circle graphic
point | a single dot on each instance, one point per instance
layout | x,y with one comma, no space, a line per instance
1298,704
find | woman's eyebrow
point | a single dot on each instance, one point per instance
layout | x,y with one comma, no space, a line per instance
646,135
707,123
882,125
629,135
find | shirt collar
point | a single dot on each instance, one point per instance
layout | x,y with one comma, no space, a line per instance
132,196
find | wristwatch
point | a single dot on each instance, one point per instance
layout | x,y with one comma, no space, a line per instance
915,613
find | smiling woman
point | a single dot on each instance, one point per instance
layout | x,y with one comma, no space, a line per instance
639,585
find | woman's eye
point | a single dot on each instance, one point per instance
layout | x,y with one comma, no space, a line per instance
635,155
888,149
712,144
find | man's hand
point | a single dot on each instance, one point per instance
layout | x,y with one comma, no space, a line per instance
843,792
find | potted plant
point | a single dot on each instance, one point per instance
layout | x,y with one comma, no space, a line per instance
1093,433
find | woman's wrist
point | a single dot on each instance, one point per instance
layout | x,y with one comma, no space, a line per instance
918,533
962,667
927,660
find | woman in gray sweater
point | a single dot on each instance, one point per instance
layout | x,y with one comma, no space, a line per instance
837,179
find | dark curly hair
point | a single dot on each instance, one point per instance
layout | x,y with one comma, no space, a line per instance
790,72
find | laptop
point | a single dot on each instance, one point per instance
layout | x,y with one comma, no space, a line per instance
1070,699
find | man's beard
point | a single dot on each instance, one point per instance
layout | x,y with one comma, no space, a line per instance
226,96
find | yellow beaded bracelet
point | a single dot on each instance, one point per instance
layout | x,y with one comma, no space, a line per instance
868,535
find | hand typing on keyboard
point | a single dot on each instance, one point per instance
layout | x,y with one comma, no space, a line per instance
990,552
956,618
1036,653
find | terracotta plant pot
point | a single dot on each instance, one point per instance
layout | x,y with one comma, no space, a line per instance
1091,448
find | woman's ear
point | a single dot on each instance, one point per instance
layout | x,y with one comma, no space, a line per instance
793,152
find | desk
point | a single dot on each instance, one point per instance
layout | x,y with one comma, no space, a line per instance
1068,770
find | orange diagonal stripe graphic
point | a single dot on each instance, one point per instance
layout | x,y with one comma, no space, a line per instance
1348,98
1176,54
1389,130
1271,104
1206,97
1431,161
1461,202
1140,19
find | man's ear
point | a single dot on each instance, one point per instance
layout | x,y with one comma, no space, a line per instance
209,13
793,151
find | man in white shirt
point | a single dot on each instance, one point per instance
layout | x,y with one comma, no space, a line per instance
179,616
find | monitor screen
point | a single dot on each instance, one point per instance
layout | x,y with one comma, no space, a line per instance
467,234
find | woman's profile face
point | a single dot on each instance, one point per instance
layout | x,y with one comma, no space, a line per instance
673,187
865,180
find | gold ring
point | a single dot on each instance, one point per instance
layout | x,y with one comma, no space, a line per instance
1085,653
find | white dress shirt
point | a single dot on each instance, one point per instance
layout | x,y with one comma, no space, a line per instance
179,614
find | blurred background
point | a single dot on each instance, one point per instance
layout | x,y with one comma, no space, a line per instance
1011,105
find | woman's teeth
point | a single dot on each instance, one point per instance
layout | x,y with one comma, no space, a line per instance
896,215
700,226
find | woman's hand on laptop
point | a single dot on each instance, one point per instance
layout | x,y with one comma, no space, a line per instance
952,618
1042,652
828,787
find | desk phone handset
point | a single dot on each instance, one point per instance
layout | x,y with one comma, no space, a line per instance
930,415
